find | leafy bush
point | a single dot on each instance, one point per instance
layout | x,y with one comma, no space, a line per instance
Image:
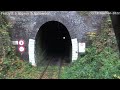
101,60
11,67
5,42
7,51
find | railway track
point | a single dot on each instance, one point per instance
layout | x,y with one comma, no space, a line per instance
52,69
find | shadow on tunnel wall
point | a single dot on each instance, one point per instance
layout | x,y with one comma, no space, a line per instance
116,26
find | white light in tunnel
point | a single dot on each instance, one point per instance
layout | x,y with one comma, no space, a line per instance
63,37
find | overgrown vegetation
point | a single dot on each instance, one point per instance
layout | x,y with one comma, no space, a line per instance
7,55
101,60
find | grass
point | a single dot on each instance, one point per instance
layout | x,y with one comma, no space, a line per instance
104,65
101,60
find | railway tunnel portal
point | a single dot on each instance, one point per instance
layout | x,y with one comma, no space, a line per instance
51,33
53,40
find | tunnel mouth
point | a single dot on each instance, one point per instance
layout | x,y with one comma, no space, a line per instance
53,41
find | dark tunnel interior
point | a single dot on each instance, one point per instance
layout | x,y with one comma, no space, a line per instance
53,41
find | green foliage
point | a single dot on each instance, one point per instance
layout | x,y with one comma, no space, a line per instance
101,60
22,70
94,66
7,51
11,67
5,43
